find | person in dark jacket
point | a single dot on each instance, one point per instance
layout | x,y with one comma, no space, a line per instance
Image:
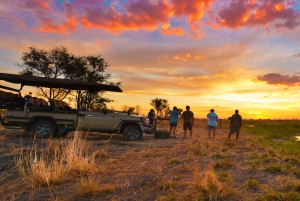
151,116
235,124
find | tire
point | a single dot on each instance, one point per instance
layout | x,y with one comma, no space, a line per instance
43,129
132,133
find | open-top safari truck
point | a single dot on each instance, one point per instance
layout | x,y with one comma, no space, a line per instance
57,118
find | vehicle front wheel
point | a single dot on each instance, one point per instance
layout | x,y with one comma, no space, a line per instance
43,129
132,133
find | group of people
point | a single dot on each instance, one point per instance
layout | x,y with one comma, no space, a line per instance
188,122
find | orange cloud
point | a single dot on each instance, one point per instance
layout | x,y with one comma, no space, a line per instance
199,57
100,42
227,46
140,14
220,75
188,57
64,28
50,27
167,30
71,24
242,13
194,10
151,14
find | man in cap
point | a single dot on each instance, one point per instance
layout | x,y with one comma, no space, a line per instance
212,123
188,121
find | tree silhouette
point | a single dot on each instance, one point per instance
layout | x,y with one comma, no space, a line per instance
59,63
159,105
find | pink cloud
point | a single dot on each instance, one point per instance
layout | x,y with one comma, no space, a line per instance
150,15
140,14
278,79
35,5
194,10
242,13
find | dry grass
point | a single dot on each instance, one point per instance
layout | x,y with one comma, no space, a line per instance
89,187
53,164
252,184
207,186
41,167
89,168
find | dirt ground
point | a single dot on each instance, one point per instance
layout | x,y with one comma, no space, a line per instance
150,169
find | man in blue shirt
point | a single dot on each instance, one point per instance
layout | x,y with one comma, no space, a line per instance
173,121
212,122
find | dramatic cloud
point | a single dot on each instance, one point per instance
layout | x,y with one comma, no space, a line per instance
151,48
118,16
240,13
140,14
194,10
277,79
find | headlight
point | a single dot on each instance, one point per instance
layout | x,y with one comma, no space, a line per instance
145,120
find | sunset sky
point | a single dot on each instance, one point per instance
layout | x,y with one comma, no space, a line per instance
221,54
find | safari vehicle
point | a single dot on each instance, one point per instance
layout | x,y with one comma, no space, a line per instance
41,119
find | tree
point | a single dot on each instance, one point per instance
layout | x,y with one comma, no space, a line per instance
91,69
159,105
58,63
124,108
138,109
127,109
48,64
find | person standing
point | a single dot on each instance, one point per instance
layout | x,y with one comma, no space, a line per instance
151,116
235,124
173,121
212,123
188,121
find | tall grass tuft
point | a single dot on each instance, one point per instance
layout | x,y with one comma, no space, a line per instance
196,147
41,167
79,157
206,186
252,184
89,187
53,163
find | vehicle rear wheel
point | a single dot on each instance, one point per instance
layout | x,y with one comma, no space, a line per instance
132,133
43,129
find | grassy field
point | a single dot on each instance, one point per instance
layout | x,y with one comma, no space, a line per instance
263,165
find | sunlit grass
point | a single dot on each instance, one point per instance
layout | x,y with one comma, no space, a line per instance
40,167
282,196
252,184
197,169
90,187
207,186
52,164
223,164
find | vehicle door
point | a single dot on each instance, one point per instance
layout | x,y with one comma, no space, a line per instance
96,121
